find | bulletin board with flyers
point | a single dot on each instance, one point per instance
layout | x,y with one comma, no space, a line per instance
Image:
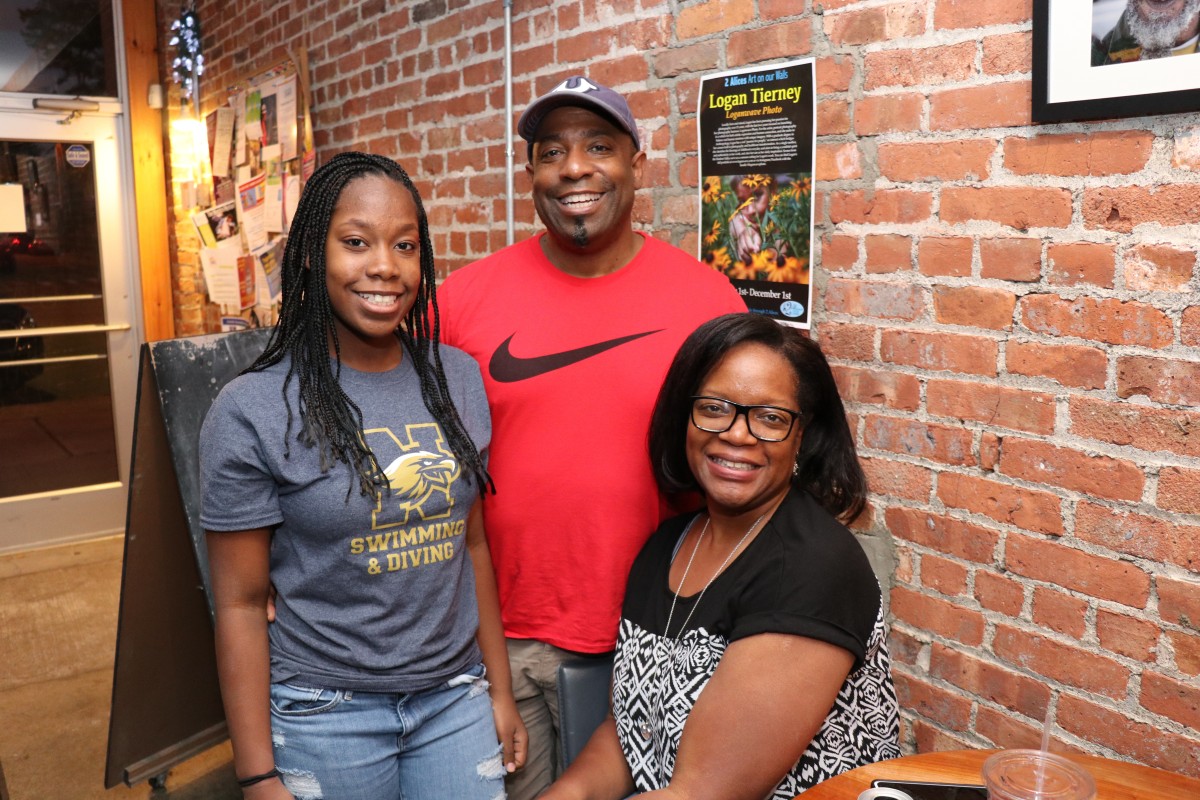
260,153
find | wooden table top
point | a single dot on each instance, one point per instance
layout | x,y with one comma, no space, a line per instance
1115,780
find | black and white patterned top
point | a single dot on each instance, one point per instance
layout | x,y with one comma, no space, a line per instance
803,574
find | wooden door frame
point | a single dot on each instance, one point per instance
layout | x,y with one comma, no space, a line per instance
140,31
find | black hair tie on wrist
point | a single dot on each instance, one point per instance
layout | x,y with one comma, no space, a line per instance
266,776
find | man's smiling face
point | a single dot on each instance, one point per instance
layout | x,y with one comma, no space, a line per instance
585,172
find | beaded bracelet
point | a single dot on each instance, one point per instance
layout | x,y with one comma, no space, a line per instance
266,776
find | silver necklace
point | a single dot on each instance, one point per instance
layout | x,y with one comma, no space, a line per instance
645,728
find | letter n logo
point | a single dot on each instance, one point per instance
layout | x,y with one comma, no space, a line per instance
416,470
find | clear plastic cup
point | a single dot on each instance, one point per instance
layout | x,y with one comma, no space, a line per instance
1036,775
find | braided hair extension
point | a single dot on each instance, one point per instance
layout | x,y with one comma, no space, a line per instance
330,420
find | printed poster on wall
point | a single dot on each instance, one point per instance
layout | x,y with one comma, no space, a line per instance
220,268
757,147
251,205
285,92
220,140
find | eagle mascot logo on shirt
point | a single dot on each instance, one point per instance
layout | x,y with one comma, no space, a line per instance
413,477
415,471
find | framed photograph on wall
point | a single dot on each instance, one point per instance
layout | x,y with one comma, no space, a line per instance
1101,59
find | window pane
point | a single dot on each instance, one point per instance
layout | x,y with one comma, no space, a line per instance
58,254
56,411
56,427
57,47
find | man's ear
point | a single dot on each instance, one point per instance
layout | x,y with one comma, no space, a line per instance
637,165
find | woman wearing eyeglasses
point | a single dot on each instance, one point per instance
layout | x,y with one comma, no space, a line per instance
751,659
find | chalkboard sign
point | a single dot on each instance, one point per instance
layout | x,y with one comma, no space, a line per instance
190,374
166,702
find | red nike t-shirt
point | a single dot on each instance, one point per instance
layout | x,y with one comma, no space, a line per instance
572,367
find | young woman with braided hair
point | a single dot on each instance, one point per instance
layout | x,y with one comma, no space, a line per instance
369,684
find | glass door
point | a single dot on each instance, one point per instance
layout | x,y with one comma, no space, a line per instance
68,338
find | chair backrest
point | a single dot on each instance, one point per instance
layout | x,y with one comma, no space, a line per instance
583,699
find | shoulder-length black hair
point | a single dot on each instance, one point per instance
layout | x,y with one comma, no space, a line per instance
329,419
827,464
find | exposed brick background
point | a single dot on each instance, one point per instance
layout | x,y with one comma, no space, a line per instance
1011,309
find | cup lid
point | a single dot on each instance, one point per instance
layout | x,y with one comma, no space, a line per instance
1036,775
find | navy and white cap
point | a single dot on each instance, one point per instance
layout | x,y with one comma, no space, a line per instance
578,91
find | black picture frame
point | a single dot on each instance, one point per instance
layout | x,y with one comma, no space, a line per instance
1066,90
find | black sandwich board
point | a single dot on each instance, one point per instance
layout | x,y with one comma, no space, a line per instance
166,704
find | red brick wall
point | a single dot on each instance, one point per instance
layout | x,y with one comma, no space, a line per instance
1011,310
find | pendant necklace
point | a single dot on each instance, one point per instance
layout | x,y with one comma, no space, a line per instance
645,727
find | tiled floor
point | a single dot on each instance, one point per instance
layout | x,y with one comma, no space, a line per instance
58,622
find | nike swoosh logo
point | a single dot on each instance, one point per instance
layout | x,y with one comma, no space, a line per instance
507,368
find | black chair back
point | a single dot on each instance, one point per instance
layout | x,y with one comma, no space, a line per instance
583,700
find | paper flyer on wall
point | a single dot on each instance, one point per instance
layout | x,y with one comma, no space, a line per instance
270,117
220,140
253,116
238,101
216,224
252,203
285,103
13,213
246,266
268,273
204,229
291,194
757,148
273,206
224,190
221,273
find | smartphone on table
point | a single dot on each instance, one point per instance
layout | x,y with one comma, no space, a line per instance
934,791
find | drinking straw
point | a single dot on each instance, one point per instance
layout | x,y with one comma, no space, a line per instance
1045,749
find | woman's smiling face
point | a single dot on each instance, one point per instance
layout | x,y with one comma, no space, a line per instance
372,265
738,473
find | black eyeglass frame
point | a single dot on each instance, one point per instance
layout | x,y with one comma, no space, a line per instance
740,409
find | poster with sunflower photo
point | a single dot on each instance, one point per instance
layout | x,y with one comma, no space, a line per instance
757,143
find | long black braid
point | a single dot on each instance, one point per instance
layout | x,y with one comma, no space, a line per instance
330,420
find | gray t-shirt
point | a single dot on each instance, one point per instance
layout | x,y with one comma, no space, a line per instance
374,594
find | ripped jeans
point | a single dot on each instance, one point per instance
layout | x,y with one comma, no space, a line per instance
431,745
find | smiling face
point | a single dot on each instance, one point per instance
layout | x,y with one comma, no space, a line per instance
738,473
372,269
585,172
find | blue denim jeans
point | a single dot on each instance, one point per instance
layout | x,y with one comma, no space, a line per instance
341,745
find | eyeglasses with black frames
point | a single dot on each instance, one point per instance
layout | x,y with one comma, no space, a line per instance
765,423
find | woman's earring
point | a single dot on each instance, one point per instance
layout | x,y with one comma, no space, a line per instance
795,468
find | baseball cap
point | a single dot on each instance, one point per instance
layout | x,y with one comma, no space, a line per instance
578,91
